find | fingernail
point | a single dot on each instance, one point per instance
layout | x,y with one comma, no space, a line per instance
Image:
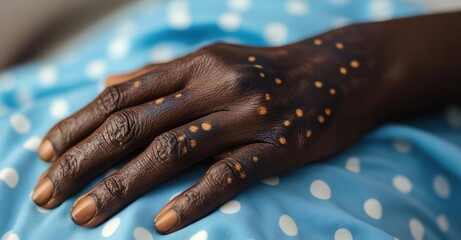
43,191
167,221
164,210
84,210
44,174
46,151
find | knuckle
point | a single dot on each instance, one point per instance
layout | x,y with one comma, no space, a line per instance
197,197
166,148
109,100
120,129
70,164
227,172
116,186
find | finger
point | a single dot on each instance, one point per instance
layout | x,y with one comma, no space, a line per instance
221,182
122,133
134,92
168,154
125,77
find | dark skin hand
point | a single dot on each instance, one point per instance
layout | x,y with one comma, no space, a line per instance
258,112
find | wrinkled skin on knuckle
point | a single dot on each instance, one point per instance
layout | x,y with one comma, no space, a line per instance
116,186
191,200
70,164
166,150
120,129
109,100
223,175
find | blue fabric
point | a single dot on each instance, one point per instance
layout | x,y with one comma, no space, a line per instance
399,181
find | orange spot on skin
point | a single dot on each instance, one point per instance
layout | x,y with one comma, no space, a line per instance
258,66
229,180
184,150
159,101
278,81
178,95
321,119
237,166
332,91
192,143
282,140
339,45
262,110
267,97
286,123
262,75
328,112
255,158
193,128
181,138
137,84
243,175
308,133
318,84
318,41
343,70
355,64
299,112
206,126
251,58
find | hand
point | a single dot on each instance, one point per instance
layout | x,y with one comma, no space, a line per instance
258,111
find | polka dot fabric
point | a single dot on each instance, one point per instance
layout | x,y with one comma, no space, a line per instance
400,181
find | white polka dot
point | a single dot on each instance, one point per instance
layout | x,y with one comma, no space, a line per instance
10,235
110,227
353,164
96,69
402,146
162,52
178,14
59,108
340,22
42,210
441,186
7,82
442,222
453,116
373,208
231,207
239,5
9,176
296,7
119,47
47,75
288,225
402,184
416,229
20,123
273,181
141,233
275,33
320,190
229,21
32,143
24,96
126,27
380,9
343,234
339,2
201,235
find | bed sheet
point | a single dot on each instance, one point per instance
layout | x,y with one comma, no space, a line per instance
400,181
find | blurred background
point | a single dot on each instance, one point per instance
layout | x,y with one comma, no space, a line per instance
29,29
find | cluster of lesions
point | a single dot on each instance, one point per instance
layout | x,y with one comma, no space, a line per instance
298,113
344,69
193,129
